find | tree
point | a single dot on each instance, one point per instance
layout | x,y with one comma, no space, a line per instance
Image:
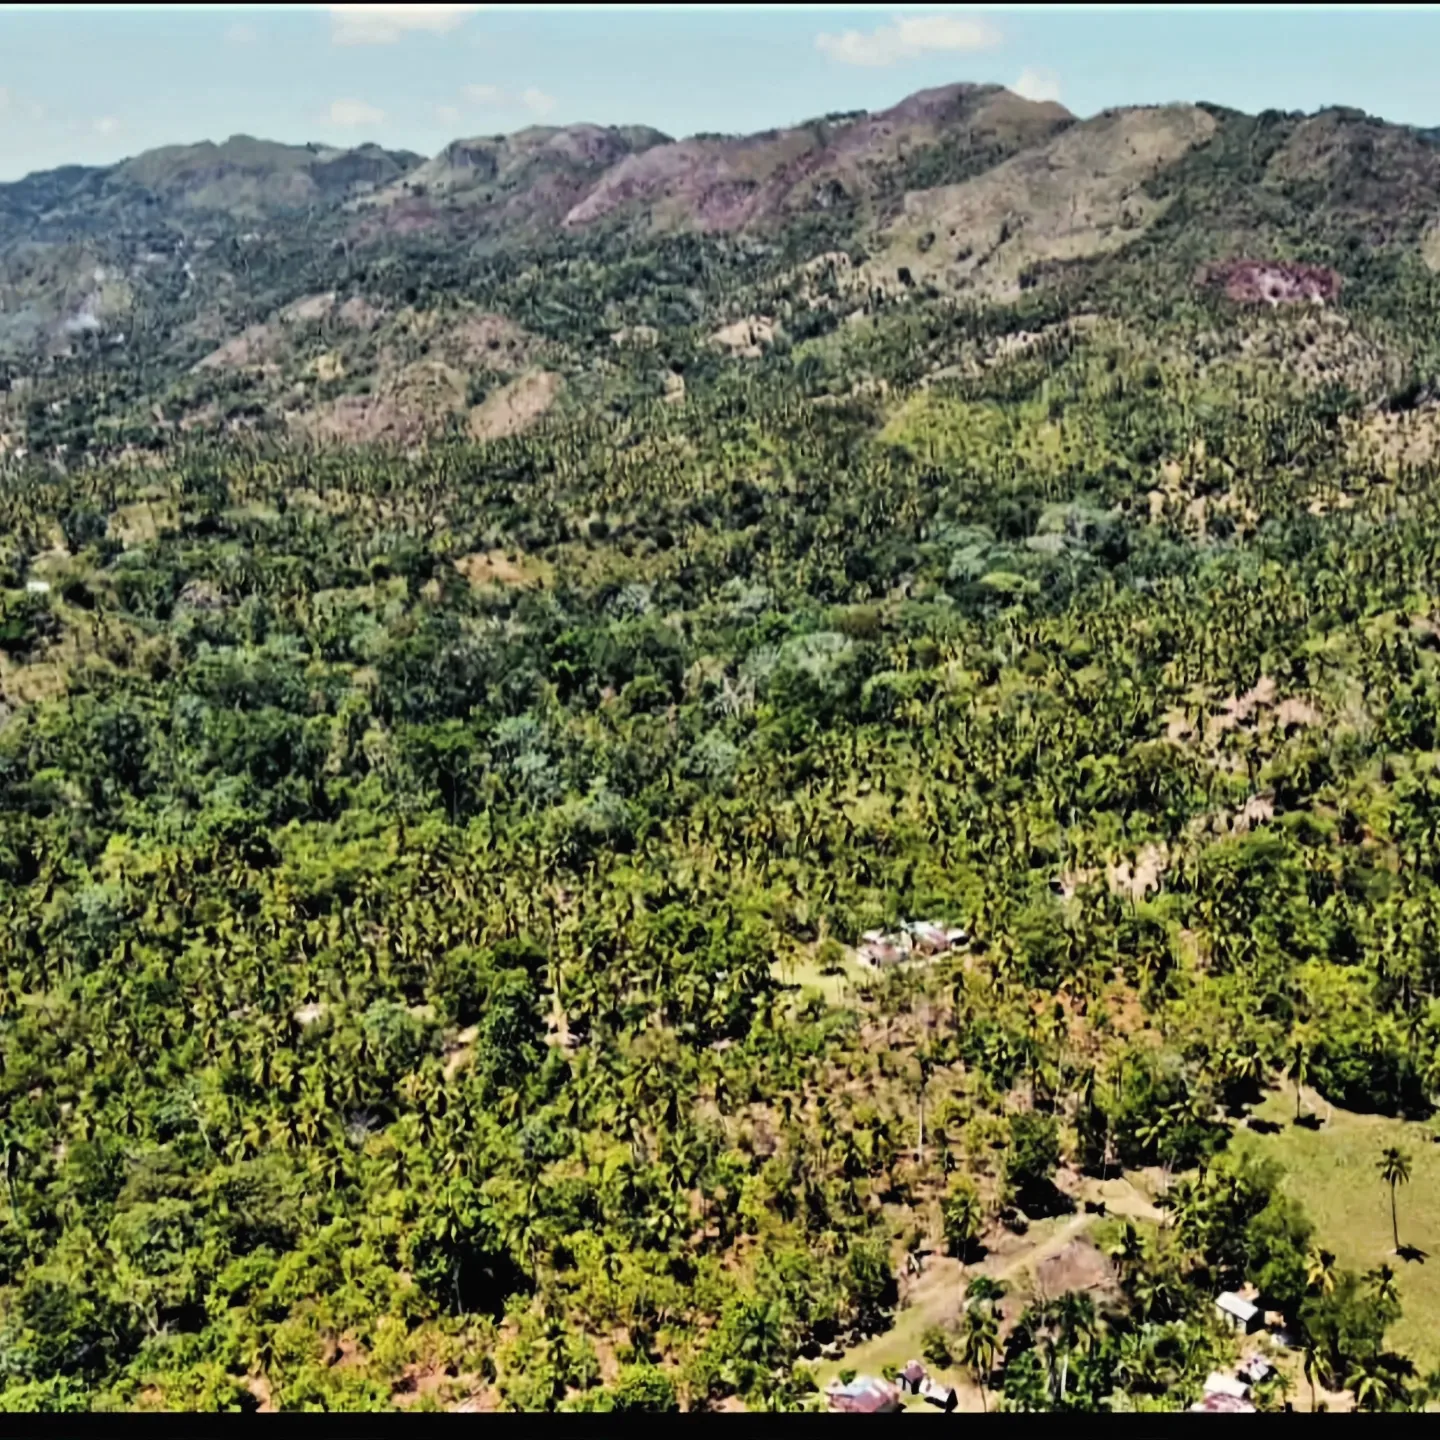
962,1215
1312,1369
1034,1151
1394,1168
1371,1382
935,1347
1381,1281
1127,1250
1299,1069
979,1342
1320,1271
644,1388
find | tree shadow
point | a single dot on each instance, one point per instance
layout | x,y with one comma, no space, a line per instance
1310,1122
974,1253
1044,1199
1262,1127
1413,1252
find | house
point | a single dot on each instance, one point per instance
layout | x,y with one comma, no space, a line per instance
942,1395
928,938
1223,1405
1254,1370
880,948
1240,1314
864,1395
1218,1383
912,1377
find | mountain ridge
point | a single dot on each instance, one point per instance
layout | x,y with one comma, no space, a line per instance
209,252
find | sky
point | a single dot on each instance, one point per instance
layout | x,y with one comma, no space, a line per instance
92,86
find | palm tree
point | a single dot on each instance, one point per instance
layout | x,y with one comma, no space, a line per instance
1382,1285
1320,1270
1371,1385
1127,1249
1299,1071
979,1342
1394,1170
1312,1369
963,1215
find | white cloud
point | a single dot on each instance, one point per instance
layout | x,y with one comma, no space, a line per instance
447,114
106,125
1037,84
493,97
354,113
907,38
240,35
385,24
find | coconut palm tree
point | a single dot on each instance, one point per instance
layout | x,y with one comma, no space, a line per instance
1394,1170
1299,1070
1381,1281
1312,1366
1320,1270
979,1342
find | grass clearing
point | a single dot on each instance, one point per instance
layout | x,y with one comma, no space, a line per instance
841,988
1333,1171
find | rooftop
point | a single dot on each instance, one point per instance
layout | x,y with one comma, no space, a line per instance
1218,1383
1232,1304
1217,1404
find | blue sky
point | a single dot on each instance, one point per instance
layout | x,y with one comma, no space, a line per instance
91,86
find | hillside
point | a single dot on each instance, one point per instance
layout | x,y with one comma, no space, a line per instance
967,191
636,772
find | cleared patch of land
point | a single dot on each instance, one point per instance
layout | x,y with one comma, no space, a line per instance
1332,1171
494,567
1054,1254
1079,194
516,406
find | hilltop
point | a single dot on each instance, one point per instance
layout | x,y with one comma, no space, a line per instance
331,292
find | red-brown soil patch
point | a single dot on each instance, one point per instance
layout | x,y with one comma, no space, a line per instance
1272,282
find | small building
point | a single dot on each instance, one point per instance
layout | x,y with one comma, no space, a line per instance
1240,1314
864,1395
929,938
912,1377
1223,1405
880,948
942,1395
1254,1370
1218,1383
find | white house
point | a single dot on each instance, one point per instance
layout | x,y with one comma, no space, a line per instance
1218,1383
1240,1314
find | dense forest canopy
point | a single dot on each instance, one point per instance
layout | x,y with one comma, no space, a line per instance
433,869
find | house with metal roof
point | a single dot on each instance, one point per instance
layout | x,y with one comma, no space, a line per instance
864,1395
1239,1313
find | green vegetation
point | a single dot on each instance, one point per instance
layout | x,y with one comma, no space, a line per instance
1334,1170
432,871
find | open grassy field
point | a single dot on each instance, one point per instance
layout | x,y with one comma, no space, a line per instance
838,989
1332,1170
